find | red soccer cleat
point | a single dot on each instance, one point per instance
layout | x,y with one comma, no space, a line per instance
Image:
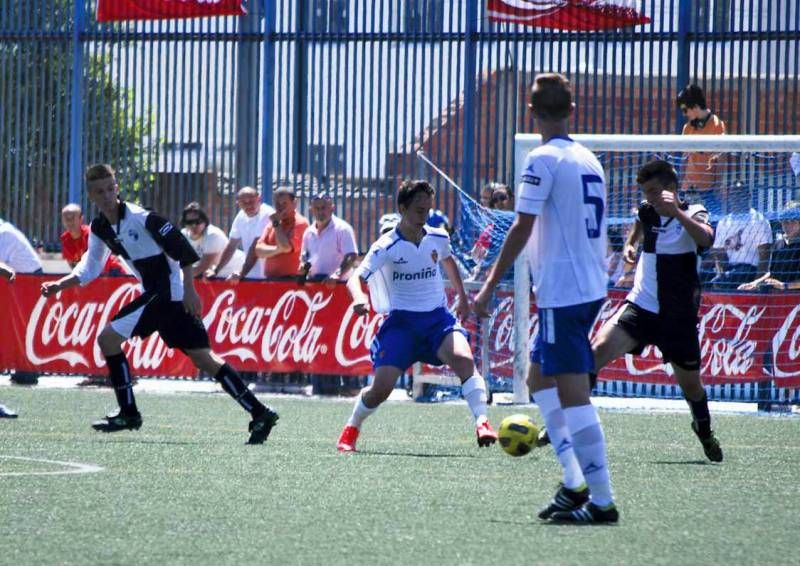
347,440
486,436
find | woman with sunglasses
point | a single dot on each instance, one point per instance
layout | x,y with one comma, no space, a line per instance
208,241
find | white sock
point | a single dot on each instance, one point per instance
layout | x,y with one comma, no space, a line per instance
589,444
360,412
553,416
474,392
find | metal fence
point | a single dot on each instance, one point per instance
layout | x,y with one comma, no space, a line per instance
342,94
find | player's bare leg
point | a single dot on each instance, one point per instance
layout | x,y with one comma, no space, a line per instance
367,403
456,353
263,418
127,417
696,398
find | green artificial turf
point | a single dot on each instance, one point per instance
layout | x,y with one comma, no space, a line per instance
185,489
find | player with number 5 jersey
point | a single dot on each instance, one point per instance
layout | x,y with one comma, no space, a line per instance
561,218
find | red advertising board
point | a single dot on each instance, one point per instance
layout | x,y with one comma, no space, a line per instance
280,326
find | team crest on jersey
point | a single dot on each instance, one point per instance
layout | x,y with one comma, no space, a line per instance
435,256
133,235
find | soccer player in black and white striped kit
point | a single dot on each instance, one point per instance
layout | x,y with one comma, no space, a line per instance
162,259
662,307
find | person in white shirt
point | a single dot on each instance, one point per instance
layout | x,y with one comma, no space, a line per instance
208,241
419,326
16,251
742,243
246,229
561,218
329,245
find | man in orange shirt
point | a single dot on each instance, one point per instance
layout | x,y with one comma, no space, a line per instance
282,239
701,179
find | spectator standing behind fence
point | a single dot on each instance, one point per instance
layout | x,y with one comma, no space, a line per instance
17,253
75,241
209,242
329,245
485,248
246,228
741,245
701,178
784,266
282,239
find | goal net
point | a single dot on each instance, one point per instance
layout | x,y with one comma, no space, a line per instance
750,338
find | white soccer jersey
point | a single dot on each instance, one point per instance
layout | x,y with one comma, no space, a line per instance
563,185
666,279
411,271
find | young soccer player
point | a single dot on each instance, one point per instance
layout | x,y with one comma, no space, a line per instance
419,326
161,259
662,307
560,216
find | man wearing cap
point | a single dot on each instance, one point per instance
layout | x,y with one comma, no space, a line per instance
281,241
784,266
329,246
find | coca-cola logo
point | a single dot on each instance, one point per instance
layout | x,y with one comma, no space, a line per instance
354,338
786,346
726,348
61,331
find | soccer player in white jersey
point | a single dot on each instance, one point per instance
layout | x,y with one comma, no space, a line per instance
662,307
560,216
419,326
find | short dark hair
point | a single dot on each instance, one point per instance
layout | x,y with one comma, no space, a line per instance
197,209
99,171
692,95
658,169
410,188
551,96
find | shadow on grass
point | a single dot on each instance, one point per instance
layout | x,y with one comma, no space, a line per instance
681,463
414,454
162,442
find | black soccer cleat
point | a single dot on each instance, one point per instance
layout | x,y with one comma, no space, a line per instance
710,444
588,514
260,427
543,438
565,500
117,421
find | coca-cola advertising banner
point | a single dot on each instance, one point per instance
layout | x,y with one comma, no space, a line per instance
121,10
266,326
281,326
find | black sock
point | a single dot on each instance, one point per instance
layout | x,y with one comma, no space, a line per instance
701,415
233,385
592,380
120,375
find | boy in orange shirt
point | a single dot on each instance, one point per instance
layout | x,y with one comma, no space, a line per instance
701,177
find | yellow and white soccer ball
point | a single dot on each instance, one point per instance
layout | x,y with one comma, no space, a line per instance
517,434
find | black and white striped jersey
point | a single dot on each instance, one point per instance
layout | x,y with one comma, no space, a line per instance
667,280
150,245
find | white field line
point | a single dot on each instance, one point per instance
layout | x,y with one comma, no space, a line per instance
74,467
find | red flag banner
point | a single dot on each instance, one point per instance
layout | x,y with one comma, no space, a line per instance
572,15
121,10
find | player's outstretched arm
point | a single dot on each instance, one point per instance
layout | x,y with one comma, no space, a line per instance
516,239
50,288
360,299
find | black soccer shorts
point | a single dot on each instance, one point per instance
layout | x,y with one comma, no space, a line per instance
149,313
677,338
